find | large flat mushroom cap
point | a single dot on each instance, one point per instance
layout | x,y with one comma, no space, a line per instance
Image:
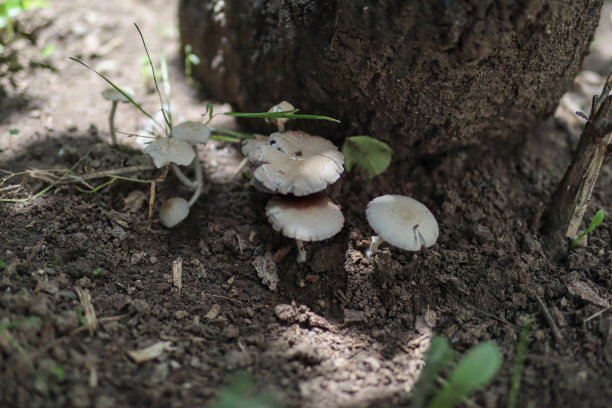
296,162
165,150
311,218
192,132
402,221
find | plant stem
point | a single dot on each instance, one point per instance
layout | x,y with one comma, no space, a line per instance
197,166
181,176
301,257
111,122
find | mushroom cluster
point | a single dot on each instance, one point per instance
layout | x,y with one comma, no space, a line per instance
297,167
180,149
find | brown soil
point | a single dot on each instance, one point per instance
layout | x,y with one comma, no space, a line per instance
337,332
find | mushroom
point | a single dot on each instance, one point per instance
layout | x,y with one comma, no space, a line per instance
113,95
166,150
296,162
311,218
173,211
402,221
280,122
192,132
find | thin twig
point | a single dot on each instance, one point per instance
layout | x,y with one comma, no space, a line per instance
551,322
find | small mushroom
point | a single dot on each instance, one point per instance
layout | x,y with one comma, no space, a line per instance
402,221
280,122
166,150
173,211
296,162
192,132
113,95
311,218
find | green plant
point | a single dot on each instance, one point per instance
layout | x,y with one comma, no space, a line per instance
519,361
241,392
372,155
190,60
597,219
10,9
475,369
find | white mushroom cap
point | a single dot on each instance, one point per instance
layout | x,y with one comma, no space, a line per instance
296,163
311,218
402,221
111,94
165,150
281,107
192,132
249,144
173,211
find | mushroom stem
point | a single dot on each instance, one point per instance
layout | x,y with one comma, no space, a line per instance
181,176
281,127
197,166
301,257
376,241
111,122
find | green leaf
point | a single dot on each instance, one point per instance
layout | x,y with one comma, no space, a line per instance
48,50
14,131
439,355
239,135
290,114
194,59
372,155
597,219
477,367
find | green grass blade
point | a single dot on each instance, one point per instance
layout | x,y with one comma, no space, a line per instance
226,138
239,135
132,101
290,114
161,102
166,84
519,362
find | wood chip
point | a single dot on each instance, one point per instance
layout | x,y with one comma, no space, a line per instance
266,270
177,273
88,309
586,292
149,353
213,312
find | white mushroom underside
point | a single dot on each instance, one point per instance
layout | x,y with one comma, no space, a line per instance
403,222
165,150
318,220
296,163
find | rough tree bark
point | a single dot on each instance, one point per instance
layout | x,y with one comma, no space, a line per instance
425,76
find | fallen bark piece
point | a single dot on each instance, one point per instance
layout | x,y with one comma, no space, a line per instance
571,198
149,353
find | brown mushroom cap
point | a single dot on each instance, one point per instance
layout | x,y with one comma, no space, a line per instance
192,132
311,218
402,221
296,162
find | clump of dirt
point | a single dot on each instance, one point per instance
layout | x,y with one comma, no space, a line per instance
339,330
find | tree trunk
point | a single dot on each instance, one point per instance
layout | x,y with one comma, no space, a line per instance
425,76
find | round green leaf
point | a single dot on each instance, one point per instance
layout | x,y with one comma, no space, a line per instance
372,155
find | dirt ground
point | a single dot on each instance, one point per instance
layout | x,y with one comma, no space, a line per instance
337,332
